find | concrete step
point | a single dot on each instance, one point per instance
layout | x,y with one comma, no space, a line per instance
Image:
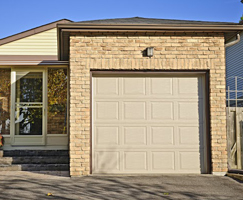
1,153
54,173
34,160
10,167
20,153
45,167
6,161
40,160
34,167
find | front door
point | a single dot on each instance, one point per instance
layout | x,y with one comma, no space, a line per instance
28,107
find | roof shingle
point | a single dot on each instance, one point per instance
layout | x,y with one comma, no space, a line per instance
141,20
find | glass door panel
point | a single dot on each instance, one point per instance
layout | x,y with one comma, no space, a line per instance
29,87
29,103
28,120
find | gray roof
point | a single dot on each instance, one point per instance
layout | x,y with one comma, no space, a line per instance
141,20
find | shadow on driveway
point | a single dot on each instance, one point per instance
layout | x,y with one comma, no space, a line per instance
27,185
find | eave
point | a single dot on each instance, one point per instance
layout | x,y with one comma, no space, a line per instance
228,30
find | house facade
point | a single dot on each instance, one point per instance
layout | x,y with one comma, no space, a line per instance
125,96
33,91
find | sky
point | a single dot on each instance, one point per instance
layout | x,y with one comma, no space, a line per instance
21,15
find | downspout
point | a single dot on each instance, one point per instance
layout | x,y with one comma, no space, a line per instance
233,42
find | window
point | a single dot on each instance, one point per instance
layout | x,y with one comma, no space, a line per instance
57,101
40,101
5,91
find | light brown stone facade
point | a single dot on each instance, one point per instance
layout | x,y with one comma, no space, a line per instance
113,51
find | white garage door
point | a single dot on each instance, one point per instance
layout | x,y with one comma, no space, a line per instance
148,124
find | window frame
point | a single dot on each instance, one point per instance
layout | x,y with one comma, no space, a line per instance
45,134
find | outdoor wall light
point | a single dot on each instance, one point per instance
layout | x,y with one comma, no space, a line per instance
150,51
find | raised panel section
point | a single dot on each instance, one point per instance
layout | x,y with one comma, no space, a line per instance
107,110
188,85
107,86
189,135
190,160
135,135
161,86
161,110
188,110
107,135
163,161
134,86
162,135
134,110
135,161
107,160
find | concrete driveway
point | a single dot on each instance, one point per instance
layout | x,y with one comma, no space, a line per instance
27,185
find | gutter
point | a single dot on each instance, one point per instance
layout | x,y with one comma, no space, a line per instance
76,27
233,42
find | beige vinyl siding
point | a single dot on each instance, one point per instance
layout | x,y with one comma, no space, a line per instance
44,43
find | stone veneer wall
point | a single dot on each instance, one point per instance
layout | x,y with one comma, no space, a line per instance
172,51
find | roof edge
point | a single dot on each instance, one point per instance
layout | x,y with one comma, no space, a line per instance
33,31
72,27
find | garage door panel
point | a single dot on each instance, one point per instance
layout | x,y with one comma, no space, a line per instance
106,135
189,160
188,135
134,86
107,110
163,161
106,86
188,110
107,161
134,110
188,86
135,135
156,89
162,110
135,160
152,124
162,135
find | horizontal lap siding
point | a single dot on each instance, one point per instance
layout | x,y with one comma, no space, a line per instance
234,63
106,51
44,43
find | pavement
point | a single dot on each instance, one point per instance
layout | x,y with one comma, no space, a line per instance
31,185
